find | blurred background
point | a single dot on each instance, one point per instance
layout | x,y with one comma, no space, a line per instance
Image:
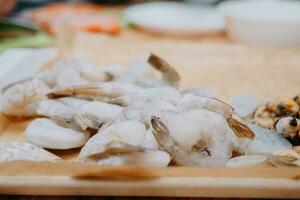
230,46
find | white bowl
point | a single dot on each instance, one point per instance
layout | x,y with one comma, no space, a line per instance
271,22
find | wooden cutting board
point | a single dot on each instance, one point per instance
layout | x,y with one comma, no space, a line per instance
213,61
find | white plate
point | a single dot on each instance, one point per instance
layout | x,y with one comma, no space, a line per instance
175,18
271,22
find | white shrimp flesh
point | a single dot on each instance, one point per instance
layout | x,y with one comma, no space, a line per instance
60,111
48,134
167,94
194,138
20,100
122,138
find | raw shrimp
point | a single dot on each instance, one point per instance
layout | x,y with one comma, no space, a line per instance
47,77
194,138
167,94
129,132
247,160
10,151
104,111
70,72
264,142
287,158
100,91
48,134
125,138
141,73
191,102
143,110
21,100
94,74
60,111
74,102
65,74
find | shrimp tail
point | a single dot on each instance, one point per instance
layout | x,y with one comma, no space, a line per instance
87,121
281,161
240,130
120,101
162,135
169,74
80,90
220,107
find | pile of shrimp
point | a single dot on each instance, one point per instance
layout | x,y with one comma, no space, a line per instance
138,116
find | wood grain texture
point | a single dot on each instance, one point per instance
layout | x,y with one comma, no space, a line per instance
108,198
168,186
215,62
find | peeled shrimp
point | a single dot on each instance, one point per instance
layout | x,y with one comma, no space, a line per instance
122,138
167,94
58,110
190,102
138,72
194,138
129,132
141,73
94,74
21,99
264,142
143,110
48,134
287,158
10,151
100,91
65,74
104,111
247,160
70,72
